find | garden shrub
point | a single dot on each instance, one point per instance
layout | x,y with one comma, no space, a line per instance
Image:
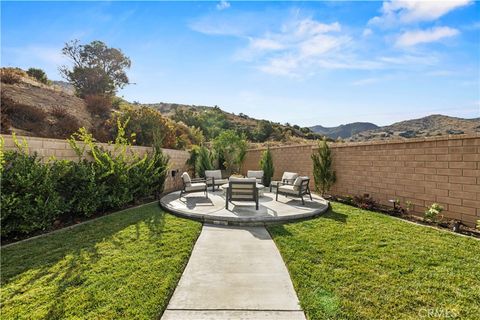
38,74
66,124
81,190
30,200
365,202
203,162
323,174
99,104
266,163
232,147
11,75
23,116
433,212
35,194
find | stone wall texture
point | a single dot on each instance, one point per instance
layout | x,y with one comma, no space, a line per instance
445,170
60,149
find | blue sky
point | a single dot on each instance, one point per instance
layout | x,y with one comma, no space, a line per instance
306,63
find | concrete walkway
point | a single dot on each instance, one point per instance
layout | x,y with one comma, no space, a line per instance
234,273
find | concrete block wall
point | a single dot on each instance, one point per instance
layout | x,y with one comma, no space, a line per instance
445,170
60,149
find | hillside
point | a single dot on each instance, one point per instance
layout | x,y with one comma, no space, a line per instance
52,110
433,125
36,109
259,131
345,130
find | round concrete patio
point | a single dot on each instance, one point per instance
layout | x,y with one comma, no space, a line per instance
212,209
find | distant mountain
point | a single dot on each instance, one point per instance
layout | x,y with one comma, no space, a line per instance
345,130
433,125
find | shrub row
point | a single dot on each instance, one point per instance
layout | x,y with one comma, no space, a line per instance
36,194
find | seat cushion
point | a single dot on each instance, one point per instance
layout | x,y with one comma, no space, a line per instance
219,181
216,174
186,179
198,186
288,189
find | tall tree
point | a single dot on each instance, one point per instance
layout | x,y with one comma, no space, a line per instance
97,69
323,173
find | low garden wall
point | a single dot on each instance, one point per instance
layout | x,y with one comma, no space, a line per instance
445,170
60,149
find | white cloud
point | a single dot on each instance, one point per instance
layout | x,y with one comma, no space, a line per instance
412,38
408,11
222,5
298,44
367,32
366,81
265,44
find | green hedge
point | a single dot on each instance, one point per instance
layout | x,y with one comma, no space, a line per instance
34,193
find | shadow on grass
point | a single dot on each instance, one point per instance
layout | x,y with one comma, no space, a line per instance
334,215
43,253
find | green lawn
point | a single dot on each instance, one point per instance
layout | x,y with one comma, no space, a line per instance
357,264
123,266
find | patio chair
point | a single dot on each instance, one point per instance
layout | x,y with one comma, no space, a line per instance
298,189
193,185
287,178
242,189
256,174
214,178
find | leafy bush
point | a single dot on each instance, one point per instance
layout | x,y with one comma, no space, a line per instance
80,186
11,75
365,202
203,161
66,124
433,212
30,199
232,147
38,74
152,128
99,104
23,116
35,194
192,160
266,163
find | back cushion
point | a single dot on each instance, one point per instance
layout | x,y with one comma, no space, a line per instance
217,174
255,174
289,176
298,182
186,179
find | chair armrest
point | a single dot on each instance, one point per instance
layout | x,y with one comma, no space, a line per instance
199,180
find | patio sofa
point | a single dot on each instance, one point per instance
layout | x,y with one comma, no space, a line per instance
193,185
257,174
214,178
298,189
242,189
